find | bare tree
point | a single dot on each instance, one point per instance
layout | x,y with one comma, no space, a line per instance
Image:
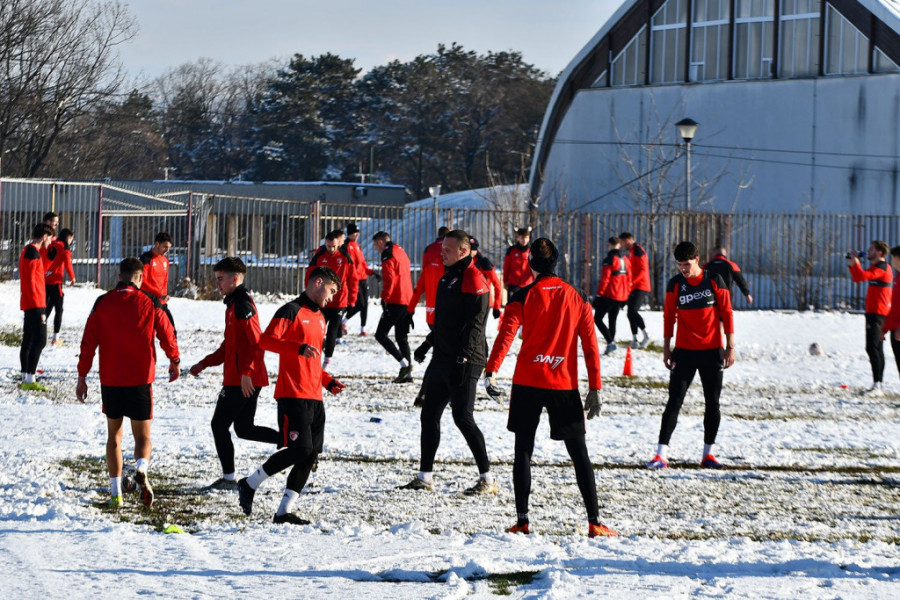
58,59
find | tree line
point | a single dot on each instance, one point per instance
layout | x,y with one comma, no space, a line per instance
68,109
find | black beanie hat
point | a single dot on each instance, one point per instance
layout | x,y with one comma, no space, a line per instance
541,264
352,228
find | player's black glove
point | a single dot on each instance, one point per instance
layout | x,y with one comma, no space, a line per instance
497,313
409,320
592,404
421,351
493,390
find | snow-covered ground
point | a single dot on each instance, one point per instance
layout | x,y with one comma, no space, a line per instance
809,506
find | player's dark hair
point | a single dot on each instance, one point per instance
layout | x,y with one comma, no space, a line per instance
129,267
543,255
625,236
40,230
613,241
460,236
231,264
685,251
881,247
383,236
49,216
333,235
163,236
65,233
895,251
523,231
443,231
326,274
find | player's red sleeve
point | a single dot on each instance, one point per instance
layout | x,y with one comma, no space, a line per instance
494,280
507,265
669,312
89,342
353,283
723,302
509,325
165,333
605,278
389,277
589,346
273,338
250,332
326,377
417,293
858,274
892,321
67,265
214,359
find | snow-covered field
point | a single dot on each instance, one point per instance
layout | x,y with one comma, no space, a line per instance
809,506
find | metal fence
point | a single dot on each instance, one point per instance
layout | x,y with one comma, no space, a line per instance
790,261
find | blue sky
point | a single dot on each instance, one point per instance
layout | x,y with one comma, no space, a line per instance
238,32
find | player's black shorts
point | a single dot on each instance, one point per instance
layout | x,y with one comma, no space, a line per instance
563,407
301,422
134,402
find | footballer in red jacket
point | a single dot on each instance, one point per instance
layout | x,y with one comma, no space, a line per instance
483,264
336,257
612,291
156,272
396,292
553,316
33,302
432,271
60,255
122,326
244,370
696,302
362,273
878,304
296,333
640,288
891,325
516,272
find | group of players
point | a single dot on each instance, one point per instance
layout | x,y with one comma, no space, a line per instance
461,287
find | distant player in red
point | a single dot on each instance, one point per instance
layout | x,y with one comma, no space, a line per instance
729,271
244,370
612,291
156,272
483,264
640,288
60,255
332,255
516,272
296,333
878,304
51,219
553,316
122,325
33,302
363,271
891,325
396,292
696,301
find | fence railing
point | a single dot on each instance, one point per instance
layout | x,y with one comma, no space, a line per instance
790,261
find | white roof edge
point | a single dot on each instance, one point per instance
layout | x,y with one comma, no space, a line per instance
887,11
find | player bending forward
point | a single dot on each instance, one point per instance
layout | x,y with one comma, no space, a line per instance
553,315
296,334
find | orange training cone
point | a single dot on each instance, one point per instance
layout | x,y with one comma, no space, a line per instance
627,371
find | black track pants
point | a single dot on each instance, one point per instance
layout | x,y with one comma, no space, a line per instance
874,345
362,304
602,307
34,338
687,364
232,408
635,301
55,302
397,317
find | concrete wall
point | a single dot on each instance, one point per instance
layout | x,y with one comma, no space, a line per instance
833,143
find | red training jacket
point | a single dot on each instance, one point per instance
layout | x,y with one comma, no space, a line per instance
122,324
490,274
640,268
615,276
44,251
516,270
298,322
880,278
359,260
432,271
396,280
892,321
341,263
553,315
697,305
32,281
240,351
61,263
156,274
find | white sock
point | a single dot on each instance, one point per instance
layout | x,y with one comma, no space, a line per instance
55,335
362,329
115,486
143,464
488,477
344,321
876,385
662,450
228,476
28,377
257,477
707,449
404,363
287,502
425,476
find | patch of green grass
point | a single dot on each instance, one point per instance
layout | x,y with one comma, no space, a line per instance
851,452
502,584
10,337
636,382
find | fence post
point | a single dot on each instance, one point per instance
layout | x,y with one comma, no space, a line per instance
588,242
190,233
99,231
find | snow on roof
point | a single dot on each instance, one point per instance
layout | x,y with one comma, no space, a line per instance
475,199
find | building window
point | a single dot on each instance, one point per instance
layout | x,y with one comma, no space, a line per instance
628,68
799,38
753,43
668,32
847,52
709,40
883,64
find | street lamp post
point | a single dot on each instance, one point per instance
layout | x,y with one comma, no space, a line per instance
435,191
687,128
